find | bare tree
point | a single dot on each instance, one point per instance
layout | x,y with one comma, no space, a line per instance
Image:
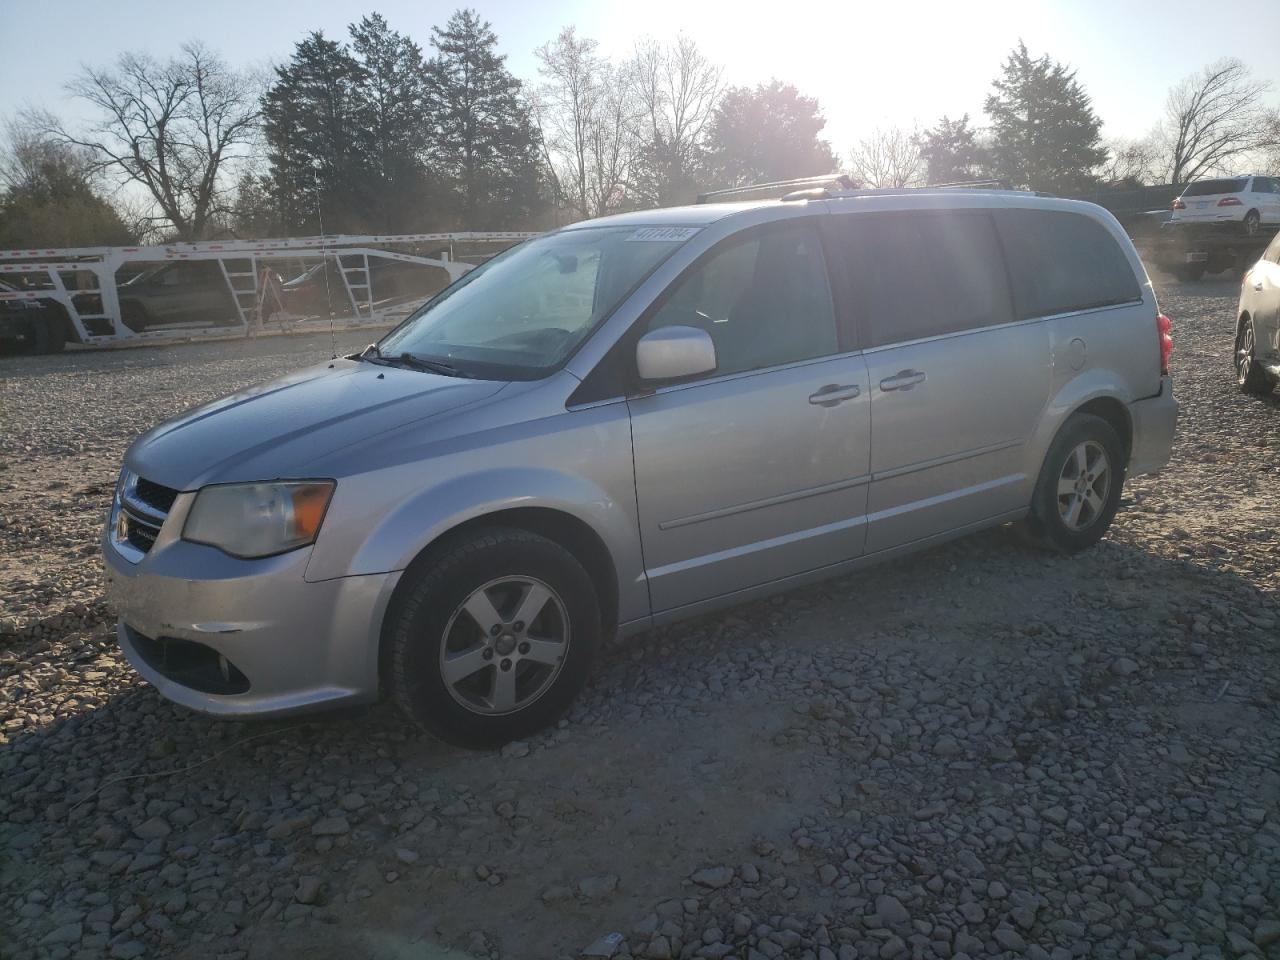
584,112
677,90
176,128
1130,161
888,157
1211,118
1269,161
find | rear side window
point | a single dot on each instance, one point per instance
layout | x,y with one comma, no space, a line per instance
913,275
1207,188
1060,262
1265,185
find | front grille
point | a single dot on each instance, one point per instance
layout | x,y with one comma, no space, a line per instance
143,507
191,664
155,495
139,534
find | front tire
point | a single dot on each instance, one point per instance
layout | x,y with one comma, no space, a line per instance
491,639
1250,375
1078,491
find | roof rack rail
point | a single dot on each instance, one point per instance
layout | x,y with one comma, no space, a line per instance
777,188
840,185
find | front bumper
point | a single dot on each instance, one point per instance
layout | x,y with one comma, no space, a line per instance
299,645
1154,421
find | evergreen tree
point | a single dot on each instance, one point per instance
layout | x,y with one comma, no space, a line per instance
952,153
316,121
769,133
394,90
486,144
1046,135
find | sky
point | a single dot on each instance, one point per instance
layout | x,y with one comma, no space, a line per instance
869,65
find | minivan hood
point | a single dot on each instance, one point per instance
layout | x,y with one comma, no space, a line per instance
274,430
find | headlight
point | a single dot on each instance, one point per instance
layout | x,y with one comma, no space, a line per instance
258,519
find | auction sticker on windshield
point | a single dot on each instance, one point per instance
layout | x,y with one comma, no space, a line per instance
664,233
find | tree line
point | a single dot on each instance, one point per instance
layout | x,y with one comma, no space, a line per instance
375,134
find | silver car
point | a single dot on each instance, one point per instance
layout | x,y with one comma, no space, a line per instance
1257,352
631,421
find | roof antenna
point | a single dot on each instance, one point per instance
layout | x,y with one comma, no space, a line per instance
324,262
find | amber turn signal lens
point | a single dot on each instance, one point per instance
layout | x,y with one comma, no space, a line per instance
309,505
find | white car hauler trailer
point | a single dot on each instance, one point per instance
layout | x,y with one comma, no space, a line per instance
83,282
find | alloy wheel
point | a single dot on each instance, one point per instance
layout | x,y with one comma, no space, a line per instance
1244,352
504,645
1083,485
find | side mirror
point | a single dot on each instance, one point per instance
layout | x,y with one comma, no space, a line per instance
670,353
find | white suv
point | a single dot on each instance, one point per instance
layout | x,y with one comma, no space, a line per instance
1248,201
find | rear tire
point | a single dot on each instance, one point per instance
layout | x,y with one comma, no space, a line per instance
1251,377
482,685
55,333
134,316
1251,223
1078,491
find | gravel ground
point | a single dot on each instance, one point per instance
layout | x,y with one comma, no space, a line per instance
1032,756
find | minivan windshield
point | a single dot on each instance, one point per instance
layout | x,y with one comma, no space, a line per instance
1207,188
521,314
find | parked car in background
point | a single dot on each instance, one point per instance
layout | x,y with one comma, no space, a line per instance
31,324
320,290
188,291
628,422
1257,344
1250,202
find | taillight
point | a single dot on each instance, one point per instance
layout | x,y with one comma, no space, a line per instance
1229,202
1178,205
1164,327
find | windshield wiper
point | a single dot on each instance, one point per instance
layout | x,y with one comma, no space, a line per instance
416,362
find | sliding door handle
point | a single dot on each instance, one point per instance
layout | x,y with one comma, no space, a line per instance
834,393
902,380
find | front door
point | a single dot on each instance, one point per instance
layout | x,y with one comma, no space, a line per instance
758,471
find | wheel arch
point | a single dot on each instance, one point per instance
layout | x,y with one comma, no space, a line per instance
572,533
1115,413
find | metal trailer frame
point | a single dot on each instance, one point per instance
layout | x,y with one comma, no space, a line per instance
101,264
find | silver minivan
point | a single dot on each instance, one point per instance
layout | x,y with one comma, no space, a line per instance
630,421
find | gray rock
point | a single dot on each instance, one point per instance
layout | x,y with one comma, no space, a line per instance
596,888
1123,667
890,911
1010,939
713,877
66,933
893,947
1266,933
154,829
308,890
330,827
946,747
659,948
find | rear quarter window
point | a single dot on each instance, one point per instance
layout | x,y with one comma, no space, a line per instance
1209,188
1060,262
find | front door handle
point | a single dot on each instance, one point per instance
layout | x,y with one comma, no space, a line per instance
902,380
834,393
1258,286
